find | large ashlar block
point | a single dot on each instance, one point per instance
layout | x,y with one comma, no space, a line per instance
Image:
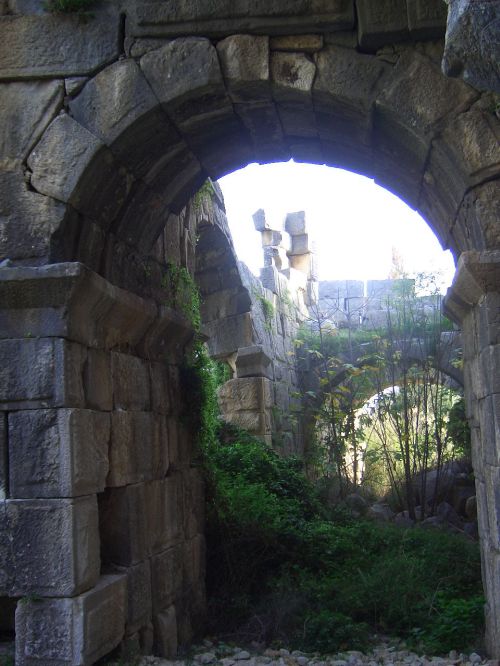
57,452
138,452
225,337
72,632
41,373
194,503
61,156
124,525
382,22
48,547
44,45
97,380
160,397
139,602
159,529
489,368
345,87
174,508
167,577
247,393
131,389
26,108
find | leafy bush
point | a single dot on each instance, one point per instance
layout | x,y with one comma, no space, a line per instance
455,622
281,569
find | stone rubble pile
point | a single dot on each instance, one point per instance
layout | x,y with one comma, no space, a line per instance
385,654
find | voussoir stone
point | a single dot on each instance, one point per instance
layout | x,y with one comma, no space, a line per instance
346,81
55,45
186,78
59,159
72,165
292,75
245,65
402,98
113,100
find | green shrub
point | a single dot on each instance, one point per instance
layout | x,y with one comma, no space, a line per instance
455,622
281,569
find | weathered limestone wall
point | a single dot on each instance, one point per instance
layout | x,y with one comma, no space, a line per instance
473,299
264,395
109,124
102,508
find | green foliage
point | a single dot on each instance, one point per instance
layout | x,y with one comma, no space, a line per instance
455,621
458,428
268,309
69,6
206,191
199,380
182,293
281,569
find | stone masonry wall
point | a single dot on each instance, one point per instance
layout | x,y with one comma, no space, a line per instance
102,508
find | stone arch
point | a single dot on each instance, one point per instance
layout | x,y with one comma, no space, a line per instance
89,190
141,137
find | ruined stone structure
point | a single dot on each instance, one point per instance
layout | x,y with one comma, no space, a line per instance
260,397
110,123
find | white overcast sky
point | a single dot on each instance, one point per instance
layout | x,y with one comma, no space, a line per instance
354,222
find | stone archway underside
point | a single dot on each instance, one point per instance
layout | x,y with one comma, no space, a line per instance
113,125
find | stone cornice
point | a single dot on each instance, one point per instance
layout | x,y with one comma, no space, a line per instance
69,300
